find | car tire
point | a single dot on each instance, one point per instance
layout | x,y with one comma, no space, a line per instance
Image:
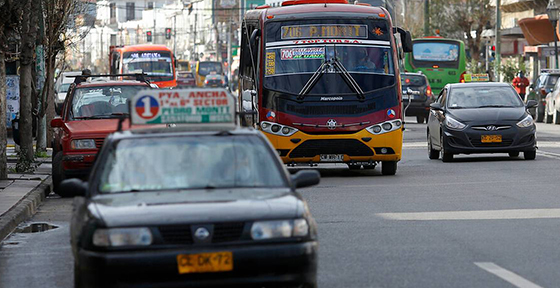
530,155
389,167
540,112
547,118
77,276
513,154
556,117
432,153
420,119
57,172
445,156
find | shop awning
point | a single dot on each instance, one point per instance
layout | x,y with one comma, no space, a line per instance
537,30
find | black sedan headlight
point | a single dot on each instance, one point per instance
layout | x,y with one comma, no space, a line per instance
526,122
454,124
263,230
117,237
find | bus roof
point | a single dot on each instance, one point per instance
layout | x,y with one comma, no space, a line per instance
142,47
315,8
435,38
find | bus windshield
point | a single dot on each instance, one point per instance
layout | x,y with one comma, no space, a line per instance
443,53
295,50
207,67
152,63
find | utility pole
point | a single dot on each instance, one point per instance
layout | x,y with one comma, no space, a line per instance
498,41
174,34
229,26
426,17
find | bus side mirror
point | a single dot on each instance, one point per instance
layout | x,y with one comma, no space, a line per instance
253,40
406,39
247,100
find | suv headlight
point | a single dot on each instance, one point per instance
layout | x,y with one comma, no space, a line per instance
277,129
122,237
454,124
263,230
83,144
526,122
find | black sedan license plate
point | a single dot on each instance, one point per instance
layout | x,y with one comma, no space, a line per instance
491,139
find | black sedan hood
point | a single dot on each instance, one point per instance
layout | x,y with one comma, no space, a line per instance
486,115
195,206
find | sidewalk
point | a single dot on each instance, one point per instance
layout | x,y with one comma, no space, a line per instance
22,194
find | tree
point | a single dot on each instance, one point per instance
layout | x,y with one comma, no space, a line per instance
9,18
460,18
28,33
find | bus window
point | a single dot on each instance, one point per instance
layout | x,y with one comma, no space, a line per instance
435,52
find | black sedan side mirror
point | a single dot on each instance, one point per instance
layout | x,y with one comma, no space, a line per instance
532,104
436,106
306,178
72,187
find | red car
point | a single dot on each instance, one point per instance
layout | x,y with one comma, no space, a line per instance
90,112
185,79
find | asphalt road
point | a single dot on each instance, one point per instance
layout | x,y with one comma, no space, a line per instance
481,221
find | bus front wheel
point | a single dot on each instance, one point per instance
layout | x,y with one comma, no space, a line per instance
388,167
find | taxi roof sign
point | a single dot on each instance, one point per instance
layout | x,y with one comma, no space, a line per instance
183,106
477,78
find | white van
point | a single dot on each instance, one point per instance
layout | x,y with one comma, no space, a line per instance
62,84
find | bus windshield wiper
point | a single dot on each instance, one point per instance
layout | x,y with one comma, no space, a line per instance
334,63
350,81
313,80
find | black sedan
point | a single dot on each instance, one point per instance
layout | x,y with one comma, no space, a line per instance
416,87
190,209
480,118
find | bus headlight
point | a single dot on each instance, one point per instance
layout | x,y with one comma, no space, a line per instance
277,129
387,126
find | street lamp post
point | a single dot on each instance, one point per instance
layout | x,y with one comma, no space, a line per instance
552,11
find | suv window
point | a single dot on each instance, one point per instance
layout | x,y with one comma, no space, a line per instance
551,80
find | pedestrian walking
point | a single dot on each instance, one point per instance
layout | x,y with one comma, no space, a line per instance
520,83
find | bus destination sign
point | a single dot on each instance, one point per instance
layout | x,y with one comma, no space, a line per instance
324,31
182,106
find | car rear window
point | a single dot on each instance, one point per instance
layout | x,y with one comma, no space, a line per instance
551,80
413,80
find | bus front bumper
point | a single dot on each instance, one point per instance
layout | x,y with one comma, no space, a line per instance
359,148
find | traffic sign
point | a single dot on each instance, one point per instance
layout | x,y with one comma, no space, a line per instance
180,106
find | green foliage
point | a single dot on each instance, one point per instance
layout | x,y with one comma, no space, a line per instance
41,154
510,67
475,67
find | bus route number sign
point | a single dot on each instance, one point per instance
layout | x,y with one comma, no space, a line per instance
192,106
324,31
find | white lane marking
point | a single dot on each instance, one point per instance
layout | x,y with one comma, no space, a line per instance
507,214
548,154
507,275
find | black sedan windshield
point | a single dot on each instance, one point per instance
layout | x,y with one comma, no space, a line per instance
480,97
201,162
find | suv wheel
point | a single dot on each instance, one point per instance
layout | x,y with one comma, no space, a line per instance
420,119
57,172
530,155
445,156
540,112
388,167
432,153
556,117
547,118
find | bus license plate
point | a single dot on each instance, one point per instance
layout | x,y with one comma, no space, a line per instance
332,157
205,262
491,139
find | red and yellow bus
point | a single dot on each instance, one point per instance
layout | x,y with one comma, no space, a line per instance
323,77
156,61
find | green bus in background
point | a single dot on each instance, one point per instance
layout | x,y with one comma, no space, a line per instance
442,60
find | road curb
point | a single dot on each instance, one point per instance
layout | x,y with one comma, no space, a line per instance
24,209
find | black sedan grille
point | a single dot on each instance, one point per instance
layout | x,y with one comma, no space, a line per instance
350,147
182,234
504,143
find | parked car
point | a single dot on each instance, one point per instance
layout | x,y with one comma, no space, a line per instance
542,87
552,106
420,93
215,81
185,79
480,118
62,85
90,112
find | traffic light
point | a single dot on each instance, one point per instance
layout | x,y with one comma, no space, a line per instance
149,36
167,33
491,52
